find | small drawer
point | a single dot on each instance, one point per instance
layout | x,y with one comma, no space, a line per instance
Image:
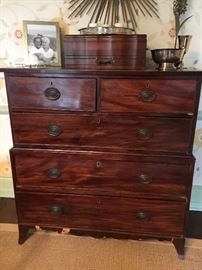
112,132
70,94
142,216
97,173
104,51
106,62
148,95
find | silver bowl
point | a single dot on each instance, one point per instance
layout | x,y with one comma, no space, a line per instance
168,59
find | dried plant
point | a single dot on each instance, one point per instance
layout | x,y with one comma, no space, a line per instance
111,12
179,8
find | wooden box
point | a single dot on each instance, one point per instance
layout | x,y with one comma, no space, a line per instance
105,51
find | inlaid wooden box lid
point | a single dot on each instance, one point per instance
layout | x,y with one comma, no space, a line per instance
106,51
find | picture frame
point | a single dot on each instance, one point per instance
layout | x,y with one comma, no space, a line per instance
42,43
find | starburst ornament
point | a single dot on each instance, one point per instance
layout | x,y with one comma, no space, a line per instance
113,12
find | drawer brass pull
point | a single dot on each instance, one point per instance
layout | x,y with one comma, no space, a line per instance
147,95
145,179
56,210
144,134
54,173
54,130
143,216
52,93
105,61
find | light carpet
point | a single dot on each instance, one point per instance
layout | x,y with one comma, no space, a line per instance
53,251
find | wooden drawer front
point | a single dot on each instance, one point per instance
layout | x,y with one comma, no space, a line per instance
102,213
105,45
100,173
139,133
141,95
107,62
73,94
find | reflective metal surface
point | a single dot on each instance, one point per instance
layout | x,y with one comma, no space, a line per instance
100,30
167,59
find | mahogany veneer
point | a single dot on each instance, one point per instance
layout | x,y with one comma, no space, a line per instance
108,51
103,152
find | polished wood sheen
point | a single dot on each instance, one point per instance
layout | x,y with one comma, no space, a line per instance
108,51
31,93
100,173
169,96
107,213
103,152
107,131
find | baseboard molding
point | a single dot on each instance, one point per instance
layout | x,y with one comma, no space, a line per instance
6,187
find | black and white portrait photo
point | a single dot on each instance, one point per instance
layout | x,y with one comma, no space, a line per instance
42,43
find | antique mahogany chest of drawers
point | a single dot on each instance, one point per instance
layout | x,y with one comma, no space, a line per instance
105,153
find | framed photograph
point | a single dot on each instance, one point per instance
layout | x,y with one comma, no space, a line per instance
42,43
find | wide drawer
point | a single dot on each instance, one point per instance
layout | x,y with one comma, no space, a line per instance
71,94
106,62
101,173
104,213
112,132
115,51
148,95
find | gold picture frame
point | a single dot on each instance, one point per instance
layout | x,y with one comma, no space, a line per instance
42,43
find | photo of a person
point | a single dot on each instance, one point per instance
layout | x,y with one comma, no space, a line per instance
45,53
35,50
43,43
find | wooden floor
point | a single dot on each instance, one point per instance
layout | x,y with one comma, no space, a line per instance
8,215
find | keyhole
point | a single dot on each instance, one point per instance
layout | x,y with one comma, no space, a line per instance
98,164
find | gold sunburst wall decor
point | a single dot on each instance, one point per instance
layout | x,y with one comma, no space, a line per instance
113,12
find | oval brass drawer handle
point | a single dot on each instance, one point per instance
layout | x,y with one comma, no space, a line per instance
144,134
54,172
147,95
145,179
56,210
54,130
143,216
52,93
